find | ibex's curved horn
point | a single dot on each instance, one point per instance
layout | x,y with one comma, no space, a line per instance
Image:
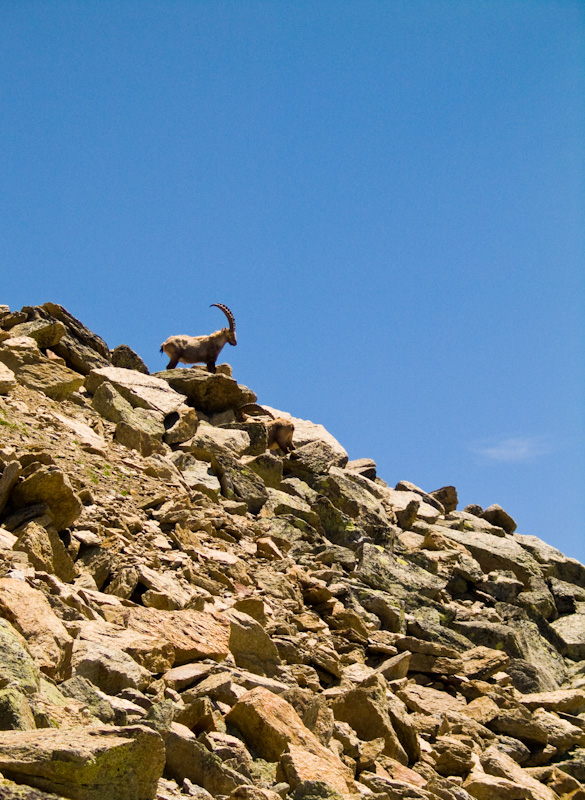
228,314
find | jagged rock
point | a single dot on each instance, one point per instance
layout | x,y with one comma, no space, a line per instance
15,711
497,553
210,393
366,710
382,570
501,765
197,474
188,758
365,467
17,667
50,486
108,667
239,482
553,563
183,428
141,391
571,630
52,379
123,356
257,433
426,700
451,756
104,763
280,503
273,728
496,515
351,498
7,379
46,333
97,702
311,459
483,662
251,646
192,634
142,432
45,550
209,442
446,497
569,701
268,468
47,638
89,440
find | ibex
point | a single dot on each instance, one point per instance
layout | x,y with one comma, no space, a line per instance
200,349
278,429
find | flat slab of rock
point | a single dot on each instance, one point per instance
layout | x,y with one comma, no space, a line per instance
497,553
141,391
54,380
84,763
210,393
571,629
193,634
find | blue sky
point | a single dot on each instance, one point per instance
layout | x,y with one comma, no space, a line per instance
390,196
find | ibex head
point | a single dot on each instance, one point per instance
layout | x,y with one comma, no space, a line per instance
231,339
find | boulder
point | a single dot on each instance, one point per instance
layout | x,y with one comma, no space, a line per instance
209,442
366,709
15,711
446,497
571,630
272,727
496,515
497,553
7,379
197,474
192,634
401,579
123,356
49,486
28,610
99,763
45,332
17,666
186,758
45,550
108,667
181,426
52,379
239,482
251,646
210,393
311,459
141,391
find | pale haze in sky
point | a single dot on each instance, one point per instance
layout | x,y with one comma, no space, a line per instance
390,196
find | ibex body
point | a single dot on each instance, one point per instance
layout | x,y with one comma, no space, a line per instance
279,430
200,349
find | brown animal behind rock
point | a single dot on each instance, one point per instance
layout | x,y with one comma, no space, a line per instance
279,430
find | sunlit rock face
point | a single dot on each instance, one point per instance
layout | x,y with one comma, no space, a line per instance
176,597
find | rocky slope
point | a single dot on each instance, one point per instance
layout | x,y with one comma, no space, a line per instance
184,613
